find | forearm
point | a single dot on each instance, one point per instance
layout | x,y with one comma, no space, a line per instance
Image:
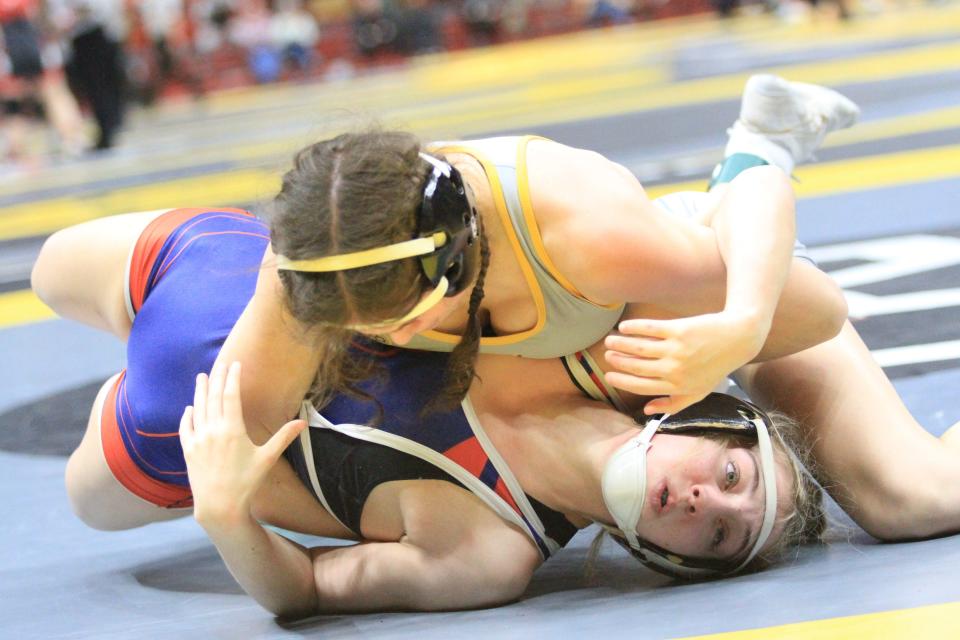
278,357
755,228
275,571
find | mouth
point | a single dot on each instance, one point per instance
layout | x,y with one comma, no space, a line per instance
659,497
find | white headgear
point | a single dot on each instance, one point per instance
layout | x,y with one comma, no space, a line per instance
624,479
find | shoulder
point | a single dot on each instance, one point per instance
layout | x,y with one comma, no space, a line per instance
579,195
595,219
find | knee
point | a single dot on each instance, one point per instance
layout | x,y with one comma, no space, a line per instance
832,312
89,500
82,500
46,277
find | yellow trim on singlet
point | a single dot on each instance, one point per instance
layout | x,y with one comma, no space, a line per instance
501,206
526,207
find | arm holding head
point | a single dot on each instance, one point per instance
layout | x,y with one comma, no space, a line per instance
724,280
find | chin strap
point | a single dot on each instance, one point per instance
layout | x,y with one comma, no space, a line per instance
624,481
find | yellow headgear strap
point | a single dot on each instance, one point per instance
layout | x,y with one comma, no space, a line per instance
378,255
426,303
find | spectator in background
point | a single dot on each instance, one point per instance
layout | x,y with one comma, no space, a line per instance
482,18
95,63
211,24
419,31
166,24
375,29
294,33
35,87
250,29
21,100
605,13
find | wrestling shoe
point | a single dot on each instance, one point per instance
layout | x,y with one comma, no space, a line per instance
794,115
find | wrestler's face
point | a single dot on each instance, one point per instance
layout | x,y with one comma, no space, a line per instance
705,499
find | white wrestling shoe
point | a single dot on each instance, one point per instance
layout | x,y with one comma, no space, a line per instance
794,115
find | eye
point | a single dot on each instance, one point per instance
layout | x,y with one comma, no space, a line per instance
731,473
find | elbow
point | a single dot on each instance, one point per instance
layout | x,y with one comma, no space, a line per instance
825,305
831,313
515,583
288,612
825,321
511,578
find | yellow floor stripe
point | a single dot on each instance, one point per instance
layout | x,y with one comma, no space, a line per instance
889,170
222,189
937,621
935,120
22,307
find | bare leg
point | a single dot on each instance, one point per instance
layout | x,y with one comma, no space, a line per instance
81,274
95,494
81,270
894,478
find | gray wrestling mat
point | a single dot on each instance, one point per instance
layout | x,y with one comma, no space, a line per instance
888,196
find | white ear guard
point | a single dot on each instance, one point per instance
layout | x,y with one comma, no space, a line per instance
624,479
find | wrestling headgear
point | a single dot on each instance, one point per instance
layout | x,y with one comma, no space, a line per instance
446,240
625,478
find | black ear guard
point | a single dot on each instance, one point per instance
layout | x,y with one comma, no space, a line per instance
718,413
446,209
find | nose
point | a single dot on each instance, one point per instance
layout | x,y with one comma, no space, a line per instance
706,501
405,333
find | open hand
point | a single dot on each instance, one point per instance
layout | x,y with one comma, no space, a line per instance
224,466
682,359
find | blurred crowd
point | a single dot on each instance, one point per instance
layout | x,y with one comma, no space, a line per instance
66,62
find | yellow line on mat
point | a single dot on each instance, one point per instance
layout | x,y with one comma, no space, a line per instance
219,189
22,307
888,170
936,621
240,187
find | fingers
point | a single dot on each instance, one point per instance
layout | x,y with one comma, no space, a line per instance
641,367
641,347
232,406
671,404
215,392
639,385
200,400
278,443
649,328
186,428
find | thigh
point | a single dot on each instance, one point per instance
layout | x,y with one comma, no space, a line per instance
81,272
893,477
95,494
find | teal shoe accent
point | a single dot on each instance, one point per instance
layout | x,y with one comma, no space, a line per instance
732,166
